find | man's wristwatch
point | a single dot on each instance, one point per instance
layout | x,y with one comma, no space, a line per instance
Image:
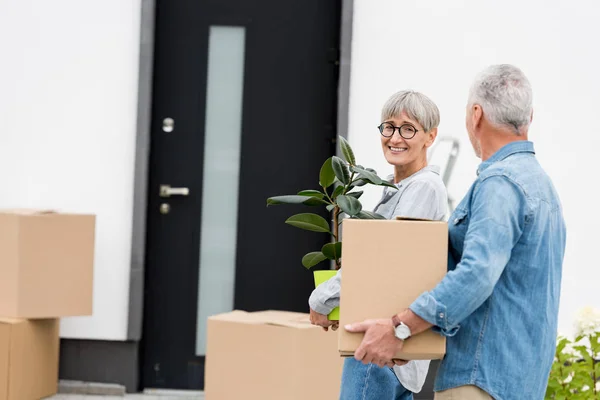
401,330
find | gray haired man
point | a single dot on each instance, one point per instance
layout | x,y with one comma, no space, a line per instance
498,304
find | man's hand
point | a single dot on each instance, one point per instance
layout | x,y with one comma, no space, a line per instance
323,321
379,344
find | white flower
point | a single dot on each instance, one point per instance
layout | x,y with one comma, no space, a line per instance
598,386
585,388
569,378
587,321
569,350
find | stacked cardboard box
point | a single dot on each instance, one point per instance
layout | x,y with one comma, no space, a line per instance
46,272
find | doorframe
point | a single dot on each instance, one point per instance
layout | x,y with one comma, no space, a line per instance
85,360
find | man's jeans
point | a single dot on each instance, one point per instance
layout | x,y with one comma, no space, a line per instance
370,382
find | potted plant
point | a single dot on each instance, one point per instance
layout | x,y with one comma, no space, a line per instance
338,180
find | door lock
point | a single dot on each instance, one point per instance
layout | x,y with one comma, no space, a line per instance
168,125
168,191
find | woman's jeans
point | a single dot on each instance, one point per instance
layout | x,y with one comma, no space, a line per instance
370,382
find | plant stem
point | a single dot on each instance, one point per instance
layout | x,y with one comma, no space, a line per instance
336,231
562,383
593,363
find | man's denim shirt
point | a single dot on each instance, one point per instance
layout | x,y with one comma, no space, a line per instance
498,304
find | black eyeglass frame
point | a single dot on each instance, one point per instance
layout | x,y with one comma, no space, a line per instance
399,128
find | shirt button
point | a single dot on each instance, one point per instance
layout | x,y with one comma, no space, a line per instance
441,315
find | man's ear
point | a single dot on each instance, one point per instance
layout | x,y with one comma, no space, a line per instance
431,135
477,116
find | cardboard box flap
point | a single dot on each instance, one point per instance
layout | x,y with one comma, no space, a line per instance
298,323
402,218
27,211
268,317
10,321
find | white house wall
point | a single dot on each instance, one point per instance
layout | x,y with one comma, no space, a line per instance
68,97
437,47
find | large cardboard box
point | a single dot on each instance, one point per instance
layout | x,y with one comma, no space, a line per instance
46,264
387,264
28,358
270,355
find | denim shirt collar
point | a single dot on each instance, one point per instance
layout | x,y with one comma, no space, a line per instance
508,150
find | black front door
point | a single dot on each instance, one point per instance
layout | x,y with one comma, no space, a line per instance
244,107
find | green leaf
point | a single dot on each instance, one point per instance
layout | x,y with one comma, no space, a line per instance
388,184
368,175
356,195
330,207
312,193
369,215
333,251
340,169
561,345
311,259
295,199
595,343
347,151
349,205
309,222
584,351
326,176
338,190
359,182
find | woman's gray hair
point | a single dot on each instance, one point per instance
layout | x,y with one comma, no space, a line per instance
416,105
504,93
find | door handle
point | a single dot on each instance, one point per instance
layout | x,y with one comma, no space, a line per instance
168,191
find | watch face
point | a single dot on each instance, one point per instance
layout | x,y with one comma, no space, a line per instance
402,332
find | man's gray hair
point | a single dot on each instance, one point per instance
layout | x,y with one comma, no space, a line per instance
416,105
504,93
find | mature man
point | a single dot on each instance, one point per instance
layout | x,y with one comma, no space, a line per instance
498,304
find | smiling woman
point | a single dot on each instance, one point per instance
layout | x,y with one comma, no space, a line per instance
408,127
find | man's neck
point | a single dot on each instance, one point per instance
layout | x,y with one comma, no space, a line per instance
495,140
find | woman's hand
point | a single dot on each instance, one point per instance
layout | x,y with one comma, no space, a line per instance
322,321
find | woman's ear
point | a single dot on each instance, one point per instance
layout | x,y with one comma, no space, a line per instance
431,135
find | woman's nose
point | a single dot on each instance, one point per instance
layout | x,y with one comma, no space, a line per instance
397,138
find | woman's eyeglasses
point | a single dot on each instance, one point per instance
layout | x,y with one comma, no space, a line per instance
407,131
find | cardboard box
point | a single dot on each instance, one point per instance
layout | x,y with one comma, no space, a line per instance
387,265
270,355
29,351
46,264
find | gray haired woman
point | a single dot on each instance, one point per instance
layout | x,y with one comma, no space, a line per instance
409,122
